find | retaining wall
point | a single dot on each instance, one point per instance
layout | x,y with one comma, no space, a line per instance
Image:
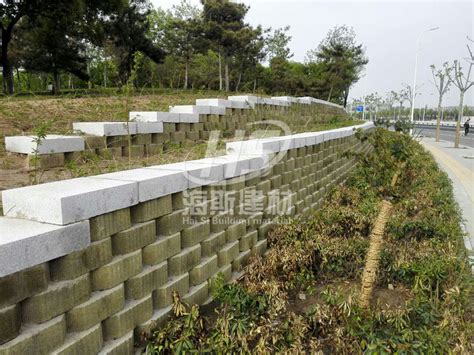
89,265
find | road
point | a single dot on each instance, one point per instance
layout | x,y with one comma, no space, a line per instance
446,134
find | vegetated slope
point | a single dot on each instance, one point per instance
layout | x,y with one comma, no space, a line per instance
302,296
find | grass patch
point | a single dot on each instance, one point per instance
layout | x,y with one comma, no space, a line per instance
301,297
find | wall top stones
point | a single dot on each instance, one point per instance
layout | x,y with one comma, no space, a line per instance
50,144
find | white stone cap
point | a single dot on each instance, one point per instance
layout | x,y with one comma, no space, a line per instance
305,100
200,110
240,105
153,182
237,165
24,243
289,99
214,102
50,144
248,99
106,129
149,127
69,201
153,116
197,172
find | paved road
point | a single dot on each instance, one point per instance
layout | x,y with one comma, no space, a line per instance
447,134
459,164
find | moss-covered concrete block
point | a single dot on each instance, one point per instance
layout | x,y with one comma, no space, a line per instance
170,224
162,297
134,151
98,307
213,244
134,313
221,221
169,127
37,338
204,270
147,281
225,272
78,263
87,342
141,139
184,261
241,261
121,268
58,298
95,142
105,225
235,232
120,346
192,135
23,284
146,329
197,294
195,233
228,253
162,249
110,152
10,322
264,229
134,238
152,209
46,161
248,241
275,181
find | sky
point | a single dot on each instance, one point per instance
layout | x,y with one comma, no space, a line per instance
389,29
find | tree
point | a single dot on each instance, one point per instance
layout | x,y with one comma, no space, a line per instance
343,60
277,44
463,83
127,30
442,83
224,26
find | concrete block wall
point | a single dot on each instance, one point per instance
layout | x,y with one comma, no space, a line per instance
148,133
112,248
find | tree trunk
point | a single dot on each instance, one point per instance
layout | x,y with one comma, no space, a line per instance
254,85
330,94
7,71
220,72
227,83
458,125
186,73
438,119
56,82
18,77
346,96
238,81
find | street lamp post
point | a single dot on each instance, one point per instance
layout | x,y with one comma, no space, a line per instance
414,77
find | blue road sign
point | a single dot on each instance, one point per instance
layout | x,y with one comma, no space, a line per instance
360,108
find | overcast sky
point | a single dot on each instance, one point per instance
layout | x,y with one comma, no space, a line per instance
389,31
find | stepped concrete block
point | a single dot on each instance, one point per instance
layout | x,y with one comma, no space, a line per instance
201,110
193,135
226,273
134,313
213,102
213,244
105,225
95,142
235,232
195,233
151,209
152,116
23,284
204,270
134,238
147,281
248,241
105,129
162,249
25,243
228,253
254,147
46,161
197,172
120,269
80,262
170,224
69,201
87,342
264,229
142,139
184,261
237,165
10,320
162,297
134,151
197,294
149,127
239,105
120,346
159,317
50,144
218,110
100,306
248,99
241,261
37,338
58,298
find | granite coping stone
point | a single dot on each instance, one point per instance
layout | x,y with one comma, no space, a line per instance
25,243
52,143
105,129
